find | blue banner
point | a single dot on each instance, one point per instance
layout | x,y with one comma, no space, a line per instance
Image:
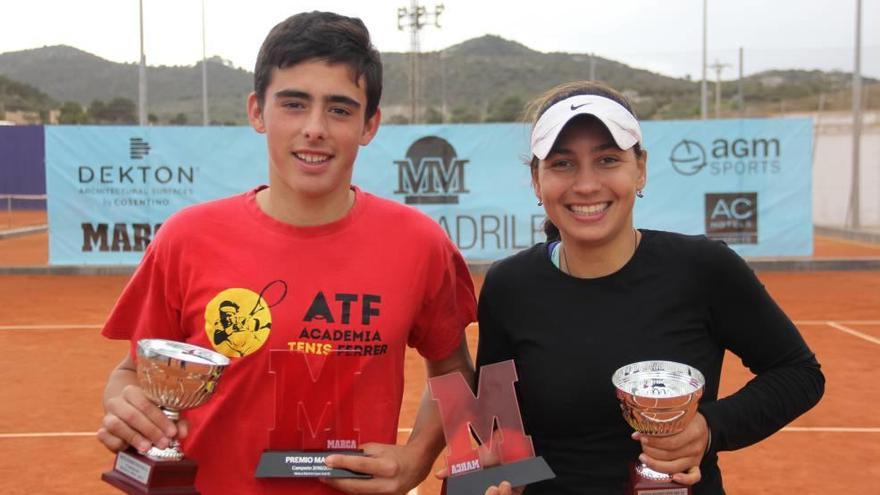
21,164
747,182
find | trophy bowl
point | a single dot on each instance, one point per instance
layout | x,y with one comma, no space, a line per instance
658,398
176,376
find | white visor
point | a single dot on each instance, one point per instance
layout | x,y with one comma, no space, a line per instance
622,125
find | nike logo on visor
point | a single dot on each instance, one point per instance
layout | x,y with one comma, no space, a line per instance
575,107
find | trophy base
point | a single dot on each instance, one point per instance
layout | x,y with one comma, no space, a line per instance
639,485
136,474
303,464
517,473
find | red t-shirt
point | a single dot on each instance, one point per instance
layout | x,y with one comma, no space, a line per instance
353,293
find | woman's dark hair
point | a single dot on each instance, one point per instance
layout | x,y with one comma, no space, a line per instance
539,105
321,36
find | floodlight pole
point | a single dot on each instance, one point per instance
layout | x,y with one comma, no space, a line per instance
740,99
718,66
855,204
414,19
205,120
704,91
142,74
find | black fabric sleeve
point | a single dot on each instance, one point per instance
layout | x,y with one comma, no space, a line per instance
746,320
494,344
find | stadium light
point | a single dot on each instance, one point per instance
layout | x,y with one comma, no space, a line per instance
854,201
205,120
704,91
414,19
142,74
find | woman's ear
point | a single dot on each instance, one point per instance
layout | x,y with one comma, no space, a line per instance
643,169
536,185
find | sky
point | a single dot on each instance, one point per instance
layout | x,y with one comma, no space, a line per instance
664,36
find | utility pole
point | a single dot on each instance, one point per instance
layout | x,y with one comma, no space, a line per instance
415,18
740,99
592,67
142,75
718,66
704,92
854,201
205,120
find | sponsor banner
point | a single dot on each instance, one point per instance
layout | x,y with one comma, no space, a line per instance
746,182
110,188
21,164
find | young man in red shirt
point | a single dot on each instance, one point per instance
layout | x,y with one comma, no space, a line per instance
342,278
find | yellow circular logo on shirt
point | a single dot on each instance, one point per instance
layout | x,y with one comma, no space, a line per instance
238,322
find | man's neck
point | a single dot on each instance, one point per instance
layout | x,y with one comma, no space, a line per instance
305,211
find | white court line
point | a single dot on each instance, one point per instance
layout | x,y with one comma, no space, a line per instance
854,332
48,327
792,429
829,429
842,322
89,326
60,434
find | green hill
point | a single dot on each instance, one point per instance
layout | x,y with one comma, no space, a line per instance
16,97
480,79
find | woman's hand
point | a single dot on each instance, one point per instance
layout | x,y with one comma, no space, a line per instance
679,454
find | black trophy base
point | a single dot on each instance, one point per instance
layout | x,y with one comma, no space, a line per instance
303,464
642,486
517,473
136,474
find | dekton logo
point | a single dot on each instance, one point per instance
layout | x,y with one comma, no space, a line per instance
432,173
136,174
756,156
138,148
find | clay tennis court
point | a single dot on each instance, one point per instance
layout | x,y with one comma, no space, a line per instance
55,363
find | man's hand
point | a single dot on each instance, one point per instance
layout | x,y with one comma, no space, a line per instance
394,468
679,454
130,416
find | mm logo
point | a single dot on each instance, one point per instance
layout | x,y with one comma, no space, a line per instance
688,157
138,148
432,173
732,217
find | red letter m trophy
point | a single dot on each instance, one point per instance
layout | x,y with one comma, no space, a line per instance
492,418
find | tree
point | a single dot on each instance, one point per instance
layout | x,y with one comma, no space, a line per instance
461,115
152,118
397,119
73,113
433,116
507,110
117,111
179,119
96,111
122,111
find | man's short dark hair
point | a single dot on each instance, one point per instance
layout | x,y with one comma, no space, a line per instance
324,36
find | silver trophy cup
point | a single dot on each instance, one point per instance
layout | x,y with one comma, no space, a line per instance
176,376
658,398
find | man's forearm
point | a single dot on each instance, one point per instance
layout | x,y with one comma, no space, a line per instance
123,375
427,439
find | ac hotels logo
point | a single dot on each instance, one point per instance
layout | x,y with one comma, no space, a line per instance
431,173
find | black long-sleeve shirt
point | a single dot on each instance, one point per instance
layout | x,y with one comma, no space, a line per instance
680,298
